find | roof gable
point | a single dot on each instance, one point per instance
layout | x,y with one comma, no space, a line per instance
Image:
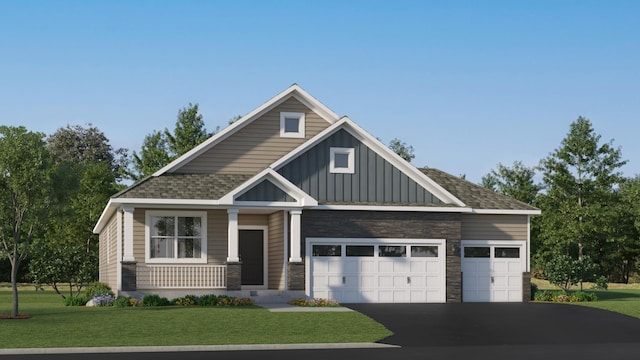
294,91
405,171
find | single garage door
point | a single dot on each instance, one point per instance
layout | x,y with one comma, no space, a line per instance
492,272
377,271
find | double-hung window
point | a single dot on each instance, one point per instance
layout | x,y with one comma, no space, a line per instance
176,237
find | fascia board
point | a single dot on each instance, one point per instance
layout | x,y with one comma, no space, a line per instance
506,212
293,90
395,208
106,214
142,201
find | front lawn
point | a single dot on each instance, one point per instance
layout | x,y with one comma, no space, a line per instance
53,325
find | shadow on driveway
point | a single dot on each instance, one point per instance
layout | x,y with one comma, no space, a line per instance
471,324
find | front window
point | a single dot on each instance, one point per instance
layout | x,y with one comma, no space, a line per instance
176,238
342,160
292,125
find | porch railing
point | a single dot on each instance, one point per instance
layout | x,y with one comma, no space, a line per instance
181,276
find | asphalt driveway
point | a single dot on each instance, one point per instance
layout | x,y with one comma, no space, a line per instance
473,324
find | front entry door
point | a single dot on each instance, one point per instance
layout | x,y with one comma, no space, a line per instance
251,251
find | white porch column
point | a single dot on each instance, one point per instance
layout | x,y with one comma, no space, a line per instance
127,256
232,236
295,236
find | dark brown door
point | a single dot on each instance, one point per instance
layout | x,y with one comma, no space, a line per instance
251,249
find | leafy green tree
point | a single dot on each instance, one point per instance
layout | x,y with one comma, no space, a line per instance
564,271
161,147
67,264
153,156
579,181
77,144
189,131
24,195
622,248
402,149
516,181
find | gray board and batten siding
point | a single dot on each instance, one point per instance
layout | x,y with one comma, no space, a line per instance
375,180
265,191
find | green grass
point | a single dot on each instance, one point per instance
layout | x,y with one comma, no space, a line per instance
620,298
53,325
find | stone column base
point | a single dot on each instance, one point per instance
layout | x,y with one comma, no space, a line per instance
129,275
234,275
295,276
526,286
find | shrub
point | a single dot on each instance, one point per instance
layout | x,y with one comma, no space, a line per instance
582,296
600,283
546,295
534,290
79,300
187,300
226,300
208,300
102,300
562,298
97,288
155,300
317,302
122,301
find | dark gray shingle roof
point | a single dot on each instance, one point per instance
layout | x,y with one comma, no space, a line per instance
474,195
184,186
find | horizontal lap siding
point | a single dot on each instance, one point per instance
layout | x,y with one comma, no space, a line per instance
138,235
257,145
494,227
217,228
108,259
253,219
276,251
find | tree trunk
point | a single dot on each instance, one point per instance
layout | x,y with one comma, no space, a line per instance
14,286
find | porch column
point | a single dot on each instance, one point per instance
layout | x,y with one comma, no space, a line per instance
232,236
295,256
128,235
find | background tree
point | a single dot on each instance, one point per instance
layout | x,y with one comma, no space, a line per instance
622,248
66,264
402,149
516,181
189,131
579,179
160,148
77,144
24,195
153,156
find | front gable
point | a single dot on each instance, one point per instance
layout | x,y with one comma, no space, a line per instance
256,140
373,178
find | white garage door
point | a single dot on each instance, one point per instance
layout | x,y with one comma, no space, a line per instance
376,271
492,272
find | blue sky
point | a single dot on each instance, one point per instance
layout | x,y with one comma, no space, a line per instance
468,84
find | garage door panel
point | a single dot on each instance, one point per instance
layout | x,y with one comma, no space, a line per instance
495,275
390,275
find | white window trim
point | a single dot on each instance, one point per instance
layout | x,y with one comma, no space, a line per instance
350,169
301,124
203,242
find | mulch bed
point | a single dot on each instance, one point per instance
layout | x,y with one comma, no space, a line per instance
19,317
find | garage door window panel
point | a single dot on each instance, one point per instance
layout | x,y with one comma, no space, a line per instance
360,250
507,252
477,252
392,251
327,250
424,251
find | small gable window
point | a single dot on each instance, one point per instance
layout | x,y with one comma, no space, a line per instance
292,125
342,160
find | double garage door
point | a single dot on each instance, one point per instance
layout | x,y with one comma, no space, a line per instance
377,271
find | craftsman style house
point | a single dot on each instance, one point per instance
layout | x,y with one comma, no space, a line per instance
293,200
